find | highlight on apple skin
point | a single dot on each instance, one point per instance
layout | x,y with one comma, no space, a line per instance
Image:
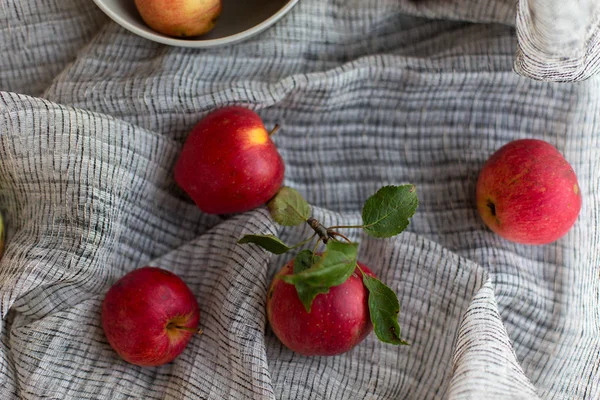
528,193
338,321
229,164
149,316
180,18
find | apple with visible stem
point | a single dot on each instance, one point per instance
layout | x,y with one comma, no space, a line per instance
180,18
337,321
229,164
149,316
528,193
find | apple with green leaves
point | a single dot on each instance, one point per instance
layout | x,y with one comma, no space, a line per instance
149,316
336,322
327,303
180,18
528,193
229,164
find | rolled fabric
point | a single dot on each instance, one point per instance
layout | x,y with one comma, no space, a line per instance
559,40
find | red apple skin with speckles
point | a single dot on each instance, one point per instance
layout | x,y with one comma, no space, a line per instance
142,316
229,164
528,193
338,320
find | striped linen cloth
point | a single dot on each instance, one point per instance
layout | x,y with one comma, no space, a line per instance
368,93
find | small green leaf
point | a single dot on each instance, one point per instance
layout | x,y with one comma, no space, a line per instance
387,212
268,242
384,308
332,269
303,261
308,293
288,207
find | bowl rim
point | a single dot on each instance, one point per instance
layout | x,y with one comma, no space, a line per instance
197,43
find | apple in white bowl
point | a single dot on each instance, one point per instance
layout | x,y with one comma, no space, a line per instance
180,18
239,21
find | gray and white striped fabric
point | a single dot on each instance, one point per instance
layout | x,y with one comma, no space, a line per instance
368,93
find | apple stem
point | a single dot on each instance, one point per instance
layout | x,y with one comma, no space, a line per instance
275,129
333,234
315,250
319,229
325,234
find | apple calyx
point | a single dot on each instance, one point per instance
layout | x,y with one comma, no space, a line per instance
490,204
171,325
385,214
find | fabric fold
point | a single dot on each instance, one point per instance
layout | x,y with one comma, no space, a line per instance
483,346
558,40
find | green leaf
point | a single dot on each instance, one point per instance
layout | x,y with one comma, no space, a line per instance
308,293
387,212
303,261
268,242
332,269
288,207
384,309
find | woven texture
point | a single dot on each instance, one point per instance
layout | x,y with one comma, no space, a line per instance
368,93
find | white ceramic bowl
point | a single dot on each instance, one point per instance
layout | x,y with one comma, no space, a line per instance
239,20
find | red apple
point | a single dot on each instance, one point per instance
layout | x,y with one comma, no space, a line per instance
180,18
337,322
229,164
528,193
149,316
